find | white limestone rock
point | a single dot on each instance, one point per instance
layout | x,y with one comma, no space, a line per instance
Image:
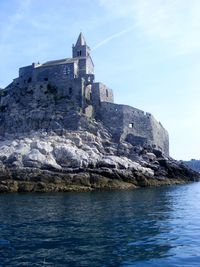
22,148
36,158
118,162
44,147
69,156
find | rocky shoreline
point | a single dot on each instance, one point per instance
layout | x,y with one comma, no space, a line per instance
82,161
34,180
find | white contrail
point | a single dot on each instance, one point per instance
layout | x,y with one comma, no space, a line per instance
108,39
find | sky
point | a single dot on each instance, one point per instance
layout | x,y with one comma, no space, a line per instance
147,51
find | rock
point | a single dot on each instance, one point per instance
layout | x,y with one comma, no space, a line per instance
82,161
38,160
15,157
150,156
117,162
107,163
35,155
158,153
8,186
44,147
69,156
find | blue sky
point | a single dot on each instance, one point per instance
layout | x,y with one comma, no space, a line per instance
147,51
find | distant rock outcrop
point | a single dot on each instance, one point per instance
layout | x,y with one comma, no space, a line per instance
193,164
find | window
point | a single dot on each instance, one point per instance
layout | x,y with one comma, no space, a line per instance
46,79
29,79
130,125
79,53
106,93
66,70
70,90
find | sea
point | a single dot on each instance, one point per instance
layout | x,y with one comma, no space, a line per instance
142,227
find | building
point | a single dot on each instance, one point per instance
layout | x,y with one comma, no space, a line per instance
63,88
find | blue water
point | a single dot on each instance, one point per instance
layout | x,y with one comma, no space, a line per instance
143,227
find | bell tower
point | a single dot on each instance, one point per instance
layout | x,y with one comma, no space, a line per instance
81,49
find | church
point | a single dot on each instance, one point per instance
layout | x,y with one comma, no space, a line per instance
67,86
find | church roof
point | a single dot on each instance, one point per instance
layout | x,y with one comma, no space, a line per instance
81,40
58,62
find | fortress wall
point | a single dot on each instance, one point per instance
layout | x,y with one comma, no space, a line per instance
95,97
69,92
118,118
25,71
25,76
160,136
106,94
126,123
145,126
111,115
136,126
55,74
40,106
101,93
59,80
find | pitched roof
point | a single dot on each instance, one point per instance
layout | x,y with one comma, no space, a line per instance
58,62
81,40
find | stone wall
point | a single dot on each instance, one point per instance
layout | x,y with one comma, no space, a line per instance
85,66
58,94
40,106
101,93
112,117
56,74
61,77
133,125
160,135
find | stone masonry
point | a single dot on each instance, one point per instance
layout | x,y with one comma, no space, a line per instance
58,94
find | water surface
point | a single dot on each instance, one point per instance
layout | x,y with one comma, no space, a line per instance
143,227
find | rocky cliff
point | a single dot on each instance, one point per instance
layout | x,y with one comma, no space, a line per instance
82,159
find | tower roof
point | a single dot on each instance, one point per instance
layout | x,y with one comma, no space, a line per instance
81,40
